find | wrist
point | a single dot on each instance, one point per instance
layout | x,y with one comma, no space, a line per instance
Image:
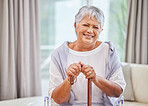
94,79
69,81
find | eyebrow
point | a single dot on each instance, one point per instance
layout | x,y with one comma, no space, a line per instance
89,23
96,25
85,23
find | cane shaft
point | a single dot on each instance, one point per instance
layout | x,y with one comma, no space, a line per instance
89,93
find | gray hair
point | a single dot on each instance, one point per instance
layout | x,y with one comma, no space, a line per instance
92,11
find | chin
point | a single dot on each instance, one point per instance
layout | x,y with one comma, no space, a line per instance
88,42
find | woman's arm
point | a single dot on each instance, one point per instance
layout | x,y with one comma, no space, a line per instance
61,93
110,88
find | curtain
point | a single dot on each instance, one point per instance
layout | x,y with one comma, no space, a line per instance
19,49
137,32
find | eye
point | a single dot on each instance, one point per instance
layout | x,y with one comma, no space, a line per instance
96,27
85,25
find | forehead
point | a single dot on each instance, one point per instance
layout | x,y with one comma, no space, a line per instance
89,19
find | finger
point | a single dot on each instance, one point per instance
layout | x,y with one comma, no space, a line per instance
87,71
85,66
90,76
76,65
82,64
82,67
73,70
71,74
79,62
76,68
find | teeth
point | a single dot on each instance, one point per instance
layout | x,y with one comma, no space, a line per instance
88,36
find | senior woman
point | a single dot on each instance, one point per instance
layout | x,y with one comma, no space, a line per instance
85,58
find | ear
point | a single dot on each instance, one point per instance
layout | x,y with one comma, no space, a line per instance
101,30
75,25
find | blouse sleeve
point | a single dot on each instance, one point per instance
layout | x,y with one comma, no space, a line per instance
55,78
118,78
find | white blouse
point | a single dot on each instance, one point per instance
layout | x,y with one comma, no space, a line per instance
97,58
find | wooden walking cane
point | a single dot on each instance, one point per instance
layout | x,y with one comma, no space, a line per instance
89,93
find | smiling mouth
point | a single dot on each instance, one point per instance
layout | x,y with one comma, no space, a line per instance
88,36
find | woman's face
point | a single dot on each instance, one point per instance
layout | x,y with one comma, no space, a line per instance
88,30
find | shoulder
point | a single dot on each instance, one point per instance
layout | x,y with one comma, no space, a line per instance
113,59
61,51
113,54
61,48
111,45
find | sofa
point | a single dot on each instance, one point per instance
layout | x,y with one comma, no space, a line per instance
26,101
136,91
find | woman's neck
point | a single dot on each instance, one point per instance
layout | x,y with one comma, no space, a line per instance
83,47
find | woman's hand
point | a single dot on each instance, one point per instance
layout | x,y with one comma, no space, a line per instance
73,71
88,71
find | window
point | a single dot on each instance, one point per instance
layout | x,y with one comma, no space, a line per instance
57,26
117,25
115,22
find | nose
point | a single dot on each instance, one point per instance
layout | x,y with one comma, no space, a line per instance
90,30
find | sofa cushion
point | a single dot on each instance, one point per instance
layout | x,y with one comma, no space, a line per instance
128,92
140,82
130,103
